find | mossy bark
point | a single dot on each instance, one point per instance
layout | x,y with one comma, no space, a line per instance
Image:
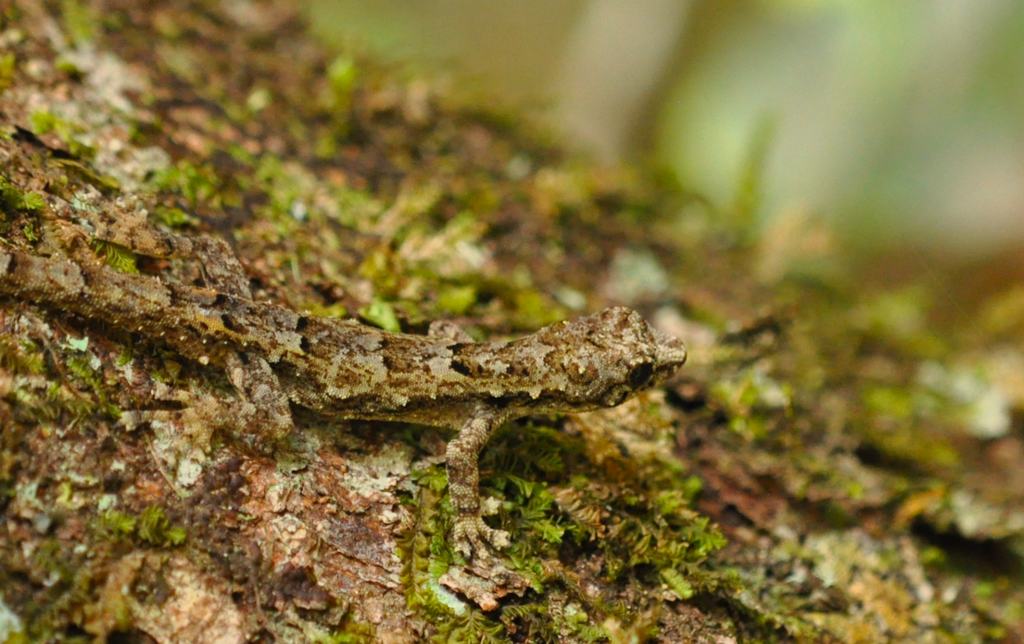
826,468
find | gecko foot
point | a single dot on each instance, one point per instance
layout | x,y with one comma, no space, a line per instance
485,579
474,539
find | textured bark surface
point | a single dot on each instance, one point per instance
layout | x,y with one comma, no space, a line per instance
828,467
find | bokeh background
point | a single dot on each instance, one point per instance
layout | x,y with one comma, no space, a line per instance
900,124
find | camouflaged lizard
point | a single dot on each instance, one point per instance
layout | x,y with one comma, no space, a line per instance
274,356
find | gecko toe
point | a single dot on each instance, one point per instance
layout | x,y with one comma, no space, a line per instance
474,539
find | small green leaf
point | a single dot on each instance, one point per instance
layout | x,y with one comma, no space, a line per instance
31,201
382,314
42,122
677,582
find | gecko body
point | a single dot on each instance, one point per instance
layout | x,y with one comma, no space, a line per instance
275,356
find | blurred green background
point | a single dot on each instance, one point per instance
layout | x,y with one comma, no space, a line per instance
900,124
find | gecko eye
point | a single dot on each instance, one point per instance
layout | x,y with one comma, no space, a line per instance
641,375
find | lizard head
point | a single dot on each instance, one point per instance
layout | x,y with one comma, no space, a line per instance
613,354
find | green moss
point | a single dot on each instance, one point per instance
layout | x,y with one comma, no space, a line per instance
289,188
82,366
80,21
893,427
641,524
473,626
155,528
645,522
39,408
380,267
79,389
422,561
44,122
197,182
1003,313
7,67
677,582
23,357
124,357
750,397
348,632
116,256
532,309
13,199
69,67
342,74
174,217
54,612
897,404
85,172
456,299
69,583
32,232
356,209
900,318
151,527
116,525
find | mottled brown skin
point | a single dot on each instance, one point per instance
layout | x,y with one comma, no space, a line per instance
342,368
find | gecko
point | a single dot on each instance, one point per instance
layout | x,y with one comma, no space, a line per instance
275,357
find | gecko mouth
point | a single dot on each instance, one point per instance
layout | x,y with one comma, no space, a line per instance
671,353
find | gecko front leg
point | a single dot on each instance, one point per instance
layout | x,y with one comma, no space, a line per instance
485,579
265,410
471,535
